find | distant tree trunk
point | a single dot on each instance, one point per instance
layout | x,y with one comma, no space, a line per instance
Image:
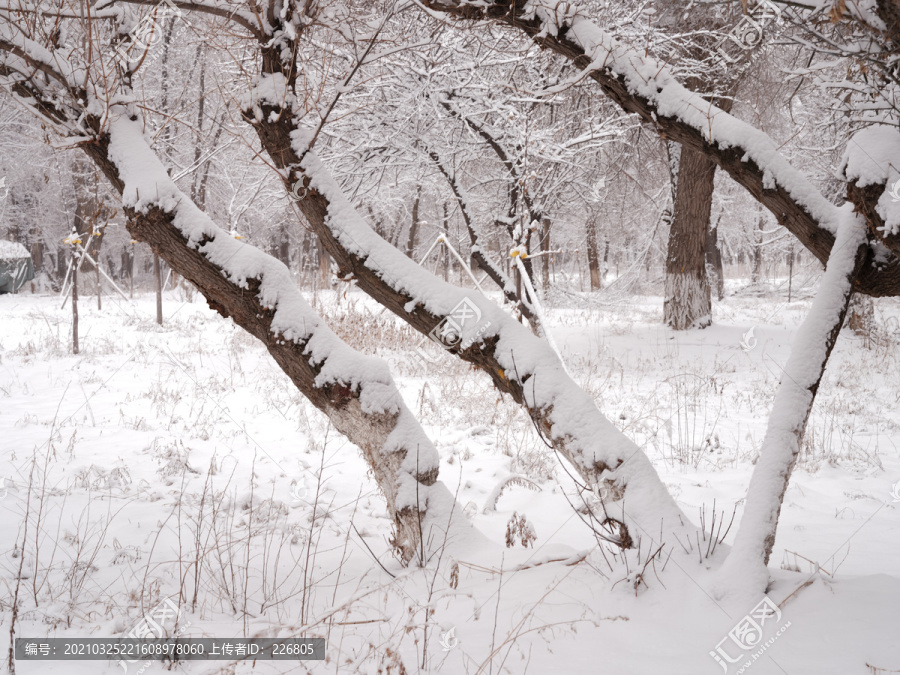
593,257
714,260
74,302
790,271
687,296
88,208
37,255
605,269
283,250
126,263
545,247
861,315
97,279
414,225
61,268
156,274
756,272
445,254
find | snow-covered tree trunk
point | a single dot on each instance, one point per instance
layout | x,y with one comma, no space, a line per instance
259,294
636,502
687,296
744,569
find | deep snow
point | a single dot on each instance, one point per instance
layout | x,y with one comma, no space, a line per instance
133,423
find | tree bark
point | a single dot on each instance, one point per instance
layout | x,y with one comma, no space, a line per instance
414,225
687,298
74,302
593,256
445,253
756,272
545,248
157,277
714,260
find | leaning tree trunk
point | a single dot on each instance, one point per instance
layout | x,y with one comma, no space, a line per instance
687,296
258,293
745,569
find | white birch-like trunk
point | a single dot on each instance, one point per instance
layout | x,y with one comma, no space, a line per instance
687,303
744,570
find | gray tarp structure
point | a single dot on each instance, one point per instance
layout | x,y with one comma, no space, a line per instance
16,266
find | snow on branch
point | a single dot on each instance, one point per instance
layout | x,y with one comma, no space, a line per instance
872,158
642,85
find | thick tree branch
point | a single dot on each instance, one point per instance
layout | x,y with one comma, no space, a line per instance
642,86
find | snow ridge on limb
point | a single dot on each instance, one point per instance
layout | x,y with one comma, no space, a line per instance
355,391
744,570
642,85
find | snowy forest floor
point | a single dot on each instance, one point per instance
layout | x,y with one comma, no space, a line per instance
139,454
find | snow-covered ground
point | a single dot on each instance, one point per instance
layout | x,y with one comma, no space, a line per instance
179,462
